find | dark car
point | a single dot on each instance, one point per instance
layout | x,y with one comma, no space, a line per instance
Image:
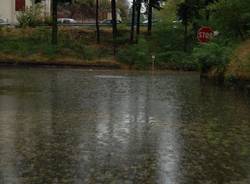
108,21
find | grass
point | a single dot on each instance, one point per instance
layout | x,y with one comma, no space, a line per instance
78,47
75,46
239,66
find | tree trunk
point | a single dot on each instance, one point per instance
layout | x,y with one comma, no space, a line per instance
138,19
132,22
185,36
97,22
241,34
150,15
207,14
207,10
54,23
114,23
185,21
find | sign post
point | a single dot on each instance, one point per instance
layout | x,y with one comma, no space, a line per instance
205,34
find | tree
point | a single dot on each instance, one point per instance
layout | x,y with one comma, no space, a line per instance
138,18
114,23
150,16
122,5
187,12
150,5
232,17
105,6
184,13
97,22
54,22
87,7
132,22
207,3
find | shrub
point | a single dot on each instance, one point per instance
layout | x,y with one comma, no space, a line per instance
30,17
168,37
40,34
137,55
212,55
49,50
176,60
48,20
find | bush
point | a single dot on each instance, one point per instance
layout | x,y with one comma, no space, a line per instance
212,55
40,34
48,20
137,55
30,17
176,60
168,37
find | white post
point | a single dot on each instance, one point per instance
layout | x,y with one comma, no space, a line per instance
153,62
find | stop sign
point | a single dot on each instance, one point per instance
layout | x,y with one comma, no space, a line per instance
205,34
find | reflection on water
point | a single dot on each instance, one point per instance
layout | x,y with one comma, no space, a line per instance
78,126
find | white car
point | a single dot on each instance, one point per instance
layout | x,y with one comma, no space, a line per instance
176,23
4,22
66,21
146,21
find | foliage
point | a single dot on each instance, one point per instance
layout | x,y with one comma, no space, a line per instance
30,41
47,20
168,37
31,17
168,34
168,13
122,5
177,60
87,7
137,55
212,55
186,12
239,67
177,29
232,17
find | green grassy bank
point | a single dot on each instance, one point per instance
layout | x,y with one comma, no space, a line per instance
78,47
239,66
75,47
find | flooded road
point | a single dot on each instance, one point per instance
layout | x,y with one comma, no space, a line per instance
73,126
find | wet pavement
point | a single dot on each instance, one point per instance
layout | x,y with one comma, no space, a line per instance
73,126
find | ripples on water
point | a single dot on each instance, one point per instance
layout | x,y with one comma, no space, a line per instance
79,126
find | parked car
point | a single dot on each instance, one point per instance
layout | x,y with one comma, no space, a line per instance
108,21
66,21
177,23
4,22
146,21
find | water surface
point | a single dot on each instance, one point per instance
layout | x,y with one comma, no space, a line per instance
74,126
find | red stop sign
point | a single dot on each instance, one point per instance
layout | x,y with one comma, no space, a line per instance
205,34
